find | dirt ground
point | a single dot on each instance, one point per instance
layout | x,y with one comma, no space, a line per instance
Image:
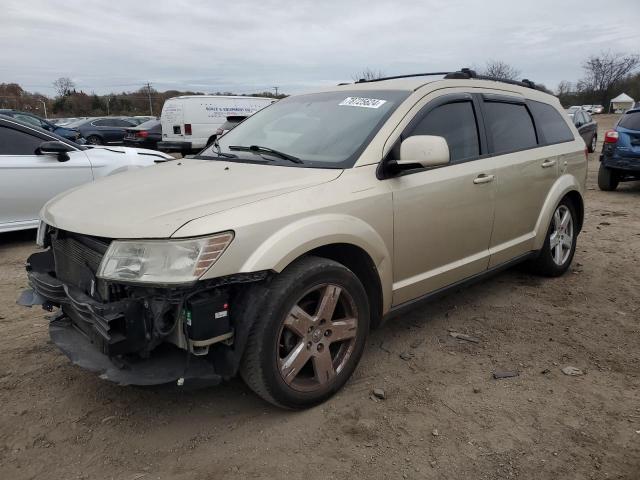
444,416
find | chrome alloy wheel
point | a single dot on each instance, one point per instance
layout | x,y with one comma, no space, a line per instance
561,240
317,337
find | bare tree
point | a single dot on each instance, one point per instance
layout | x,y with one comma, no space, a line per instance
63,86
367,74
603,72
500,69
564,88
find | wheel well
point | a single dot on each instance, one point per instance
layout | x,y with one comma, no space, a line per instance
361,264
578,204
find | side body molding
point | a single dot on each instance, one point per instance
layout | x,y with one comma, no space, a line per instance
306,234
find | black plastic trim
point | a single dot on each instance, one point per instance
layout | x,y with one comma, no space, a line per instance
402,307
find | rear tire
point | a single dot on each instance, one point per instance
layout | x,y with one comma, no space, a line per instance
94,140
560,244
310,334
607,179
594,142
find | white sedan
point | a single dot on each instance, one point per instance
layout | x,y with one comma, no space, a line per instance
36,165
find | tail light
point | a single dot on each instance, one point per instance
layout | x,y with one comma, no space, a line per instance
142,134
611,136
187,129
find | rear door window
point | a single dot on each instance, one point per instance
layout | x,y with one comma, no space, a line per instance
456,122
551,125
630,121
510,127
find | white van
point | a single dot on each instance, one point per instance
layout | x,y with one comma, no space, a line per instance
190,122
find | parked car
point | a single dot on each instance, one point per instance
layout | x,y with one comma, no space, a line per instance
139,119
620,159
66,132
190,122
587,108
574,108
145,135
273,252
36,165
587,127
597,109
103,130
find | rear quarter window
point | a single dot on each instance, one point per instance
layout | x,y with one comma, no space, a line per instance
551,125
510,127
630,121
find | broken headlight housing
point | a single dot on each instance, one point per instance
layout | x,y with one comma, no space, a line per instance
162,261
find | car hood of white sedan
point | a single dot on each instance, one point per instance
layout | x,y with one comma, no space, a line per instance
154,202
99,155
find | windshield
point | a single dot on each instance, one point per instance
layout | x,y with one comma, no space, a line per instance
326,130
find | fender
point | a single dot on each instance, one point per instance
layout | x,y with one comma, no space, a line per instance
306,234
563,185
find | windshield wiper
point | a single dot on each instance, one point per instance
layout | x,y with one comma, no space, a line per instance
270,151
219,154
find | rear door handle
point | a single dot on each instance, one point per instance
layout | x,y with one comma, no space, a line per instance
483,178
548,163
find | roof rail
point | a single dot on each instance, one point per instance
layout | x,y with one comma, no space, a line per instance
468,73
364,80
463,73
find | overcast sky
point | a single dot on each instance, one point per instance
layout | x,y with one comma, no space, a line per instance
253,45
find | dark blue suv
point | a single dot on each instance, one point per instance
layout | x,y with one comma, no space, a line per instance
29,118
620,159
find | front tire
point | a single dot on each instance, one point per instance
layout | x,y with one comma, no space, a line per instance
310,335
560,244
594,143
607,179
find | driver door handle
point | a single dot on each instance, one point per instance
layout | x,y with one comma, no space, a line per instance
483,178
548,163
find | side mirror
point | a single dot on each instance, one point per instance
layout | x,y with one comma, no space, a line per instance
426,150
58,149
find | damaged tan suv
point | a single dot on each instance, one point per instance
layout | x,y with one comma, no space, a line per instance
274,251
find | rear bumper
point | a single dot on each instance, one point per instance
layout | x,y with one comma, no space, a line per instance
175,146
140,143
630,164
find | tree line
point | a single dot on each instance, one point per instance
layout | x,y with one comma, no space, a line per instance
72,102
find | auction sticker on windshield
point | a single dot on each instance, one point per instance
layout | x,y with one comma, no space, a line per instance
362,102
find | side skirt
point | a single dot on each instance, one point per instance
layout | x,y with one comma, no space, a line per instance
441,292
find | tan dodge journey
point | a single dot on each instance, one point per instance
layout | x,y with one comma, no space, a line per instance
274,251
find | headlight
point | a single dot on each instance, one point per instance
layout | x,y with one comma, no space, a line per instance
162,261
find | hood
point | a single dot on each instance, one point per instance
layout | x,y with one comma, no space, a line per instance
101,156
154,202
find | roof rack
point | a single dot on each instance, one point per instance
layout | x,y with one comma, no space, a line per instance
463,73
468,73
395,77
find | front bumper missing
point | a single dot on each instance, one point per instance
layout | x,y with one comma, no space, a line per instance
165,365
117,337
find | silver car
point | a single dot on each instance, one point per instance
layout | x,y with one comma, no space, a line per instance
36,165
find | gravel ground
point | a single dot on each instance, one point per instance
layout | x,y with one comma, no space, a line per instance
444,416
